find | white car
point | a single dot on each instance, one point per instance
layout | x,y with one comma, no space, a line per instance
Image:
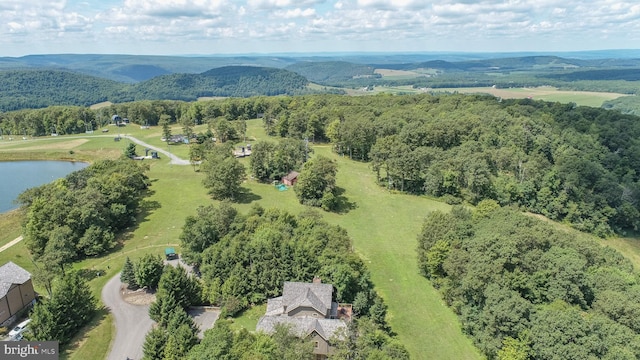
19,329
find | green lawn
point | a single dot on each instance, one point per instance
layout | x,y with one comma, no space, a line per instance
382,225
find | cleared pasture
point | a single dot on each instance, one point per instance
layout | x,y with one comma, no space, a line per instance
546,93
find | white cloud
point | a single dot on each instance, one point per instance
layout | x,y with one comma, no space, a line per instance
295,13
290,25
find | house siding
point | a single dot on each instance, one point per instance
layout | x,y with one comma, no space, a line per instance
4,310
323,345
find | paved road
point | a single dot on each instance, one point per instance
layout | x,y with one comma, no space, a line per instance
174,159
132,322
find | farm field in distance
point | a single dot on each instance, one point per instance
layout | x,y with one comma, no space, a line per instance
546,93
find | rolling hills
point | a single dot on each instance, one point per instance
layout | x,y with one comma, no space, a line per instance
37,81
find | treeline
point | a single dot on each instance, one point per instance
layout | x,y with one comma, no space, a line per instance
526,290
65,120
69,219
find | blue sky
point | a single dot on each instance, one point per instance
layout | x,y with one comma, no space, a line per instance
178,27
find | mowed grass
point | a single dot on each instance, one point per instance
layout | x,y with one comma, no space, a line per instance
10,223
383,227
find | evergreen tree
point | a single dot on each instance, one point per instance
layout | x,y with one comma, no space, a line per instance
72,301
148,270
154,344
130,150
128,274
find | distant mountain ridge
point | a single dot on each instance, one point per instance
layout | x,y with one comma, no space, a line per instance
41,88
70,79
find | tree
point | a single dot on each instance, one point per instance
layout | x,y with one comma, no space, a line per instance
154,344
148,270
165,123
223,174
70,300
130,151
205,229
128,274
317,181
217,343
59,251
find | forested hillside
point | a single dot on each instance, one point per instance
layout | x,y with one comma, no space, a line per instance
21,89
332,72
234,81
525,290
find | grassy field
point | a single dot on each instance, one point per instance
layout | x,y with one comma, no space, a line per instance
586,98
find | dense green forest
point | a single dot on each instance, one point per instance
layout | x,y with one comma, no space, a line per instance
524,289
81,214
21,89
234,81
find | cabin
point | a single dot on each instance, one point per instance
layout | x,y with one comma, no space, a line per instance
291,178
310,312
16,292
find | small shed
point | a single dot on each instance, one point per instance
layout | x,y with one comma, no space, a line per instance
170,253
291,178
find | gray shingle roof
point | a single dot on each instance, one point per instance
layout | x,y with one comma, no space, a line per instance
303,326
316,295
10,274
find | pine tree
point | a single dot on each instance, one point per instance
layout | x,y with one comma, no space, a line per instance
128,274
154,344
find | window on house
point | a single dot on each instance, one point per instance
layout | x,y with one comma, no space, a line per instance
316,344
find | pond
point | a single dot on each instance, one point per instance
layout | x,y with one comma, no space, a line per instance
18,176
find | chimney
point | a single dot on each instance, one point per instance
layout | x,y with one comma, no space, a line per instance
317,280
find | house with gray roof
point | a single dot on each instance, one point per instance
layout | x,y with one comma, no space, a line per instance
16,292
309,311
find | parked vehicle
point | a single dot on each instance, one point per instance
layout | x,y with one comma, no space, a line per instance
19,329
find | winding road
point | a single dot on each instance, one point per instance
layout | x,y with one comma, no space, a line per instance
132,322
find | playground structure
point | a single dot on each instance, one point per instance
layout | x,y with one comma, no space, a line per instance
280,186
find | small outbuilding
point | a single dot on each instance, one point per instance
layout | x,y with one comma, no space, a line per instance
16,292
291,178
170,253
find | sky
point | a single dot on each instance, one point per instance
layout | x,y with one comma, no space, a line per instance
215,27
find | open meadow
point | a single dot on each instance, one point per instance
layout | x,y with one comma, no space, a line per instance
546,93
382,224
